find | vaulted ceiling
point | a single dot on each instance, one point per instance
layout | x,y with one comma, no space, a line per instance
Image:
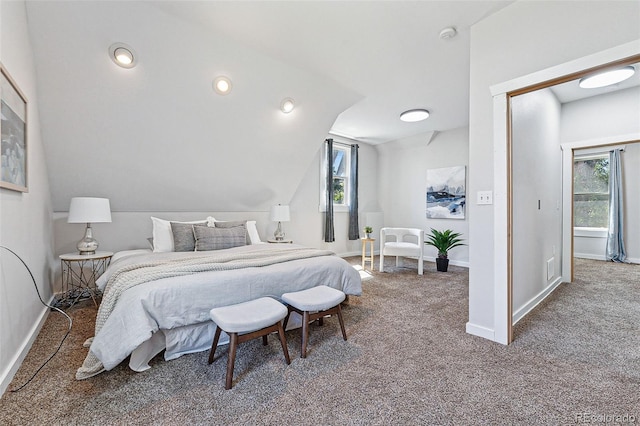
168,142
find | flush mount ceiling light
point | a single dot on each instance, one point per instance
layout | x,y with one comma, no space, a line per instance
414,115
287,105
222,85
123,55
607,78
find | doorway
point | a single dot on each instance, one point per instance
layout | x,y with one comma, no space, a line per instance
508,267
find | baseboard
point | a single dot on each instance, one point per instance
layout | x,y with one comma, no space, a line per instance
454,262
480,331
524,310
603,258
352,253
451,261
7,375
589,256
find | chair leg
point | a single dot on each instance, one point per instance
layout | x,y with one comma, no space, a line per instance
232,359
305,334
344,333
381,261
214,345
286,319
420,267
264,340
283,342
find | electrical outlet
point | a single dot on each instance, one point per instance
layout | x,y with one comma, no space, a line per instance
485,197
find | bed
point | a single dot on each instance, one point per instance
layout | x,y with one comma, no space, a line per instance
167,307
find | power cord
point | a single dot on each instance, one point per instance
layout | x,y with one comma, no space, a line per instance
48,306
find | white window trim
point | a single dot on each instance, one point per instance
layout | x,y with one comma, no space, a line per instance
343,144
587,232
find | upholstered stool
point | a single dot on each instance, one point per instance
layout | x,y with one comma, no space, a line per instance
246,321
313,304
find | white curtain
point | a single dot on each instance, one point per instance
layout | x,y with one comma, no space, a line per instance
615,240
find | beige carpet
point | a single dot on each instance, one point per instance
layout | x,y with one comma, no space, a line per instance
408,360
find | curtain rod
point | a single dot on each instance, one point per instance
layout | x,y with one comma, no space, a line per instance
335,142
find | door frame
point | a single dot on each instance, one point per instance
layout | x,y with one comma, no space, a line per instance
568,154
503,165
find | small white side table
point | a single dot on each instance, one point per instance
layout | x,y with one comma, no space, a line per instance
79,275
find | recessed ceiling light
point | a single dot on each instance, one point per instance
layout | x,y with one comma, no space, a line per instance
222,85
607,78
414,115
123,55
287,105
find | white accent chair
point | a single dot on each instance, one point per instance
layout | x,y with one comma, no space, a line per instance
406,242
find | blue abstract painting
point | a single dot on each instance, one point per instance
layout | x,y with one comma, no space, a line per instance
446,194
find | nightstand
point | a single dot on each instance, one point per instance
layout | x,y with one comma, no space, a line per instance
79,275
272,241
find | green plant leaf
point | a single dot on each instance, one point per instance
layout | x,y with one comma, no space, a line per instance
444,241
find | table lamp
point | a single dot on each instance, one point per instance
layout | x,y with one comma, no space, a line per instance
89,210
279,214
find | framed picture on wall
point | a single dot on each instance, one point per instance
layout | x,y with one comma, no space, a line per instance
13,127
446,193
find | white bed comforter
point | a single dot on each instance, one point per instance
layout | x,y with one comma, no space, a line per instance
173,313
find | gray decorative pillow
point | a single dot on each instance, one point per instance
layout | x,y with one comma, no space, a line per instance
219,238
183,238
233,224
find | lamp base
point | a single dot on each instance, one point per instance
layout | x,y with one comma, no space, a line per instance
279,234
87,245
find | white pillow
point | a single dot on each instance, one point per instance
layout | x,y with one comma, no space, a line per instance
162,235
254,237
252,229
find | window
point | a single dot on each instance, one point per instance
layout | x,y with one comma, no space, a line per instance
341,185
340,175
591,191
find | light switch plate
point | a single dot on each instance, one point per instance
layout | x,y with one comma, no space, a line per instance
485,197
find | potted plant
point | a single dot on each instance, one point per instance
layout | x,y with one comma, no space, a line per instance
443,242
367,231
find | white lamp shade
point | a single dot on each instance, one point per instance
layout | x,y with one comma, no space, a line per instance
280,213
89,210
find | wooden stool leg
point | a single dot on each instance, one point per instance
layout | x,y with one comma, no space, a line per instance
232,359
283,342
344,333
286,319
305,334
264,340
214,345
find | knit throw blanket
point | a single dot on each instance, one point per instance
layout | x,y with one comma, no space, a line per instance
133,275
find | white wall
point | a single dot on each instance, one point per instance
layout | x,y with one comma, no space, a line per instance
307,222
601,116
510,44
537,194
615,113
156,137
403,183
130,230
25,218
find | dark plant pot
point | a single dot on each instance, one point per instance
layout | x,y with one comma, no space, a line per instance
442,264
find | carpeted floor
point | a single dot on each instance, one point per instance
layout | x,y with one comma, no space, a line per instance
408,361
